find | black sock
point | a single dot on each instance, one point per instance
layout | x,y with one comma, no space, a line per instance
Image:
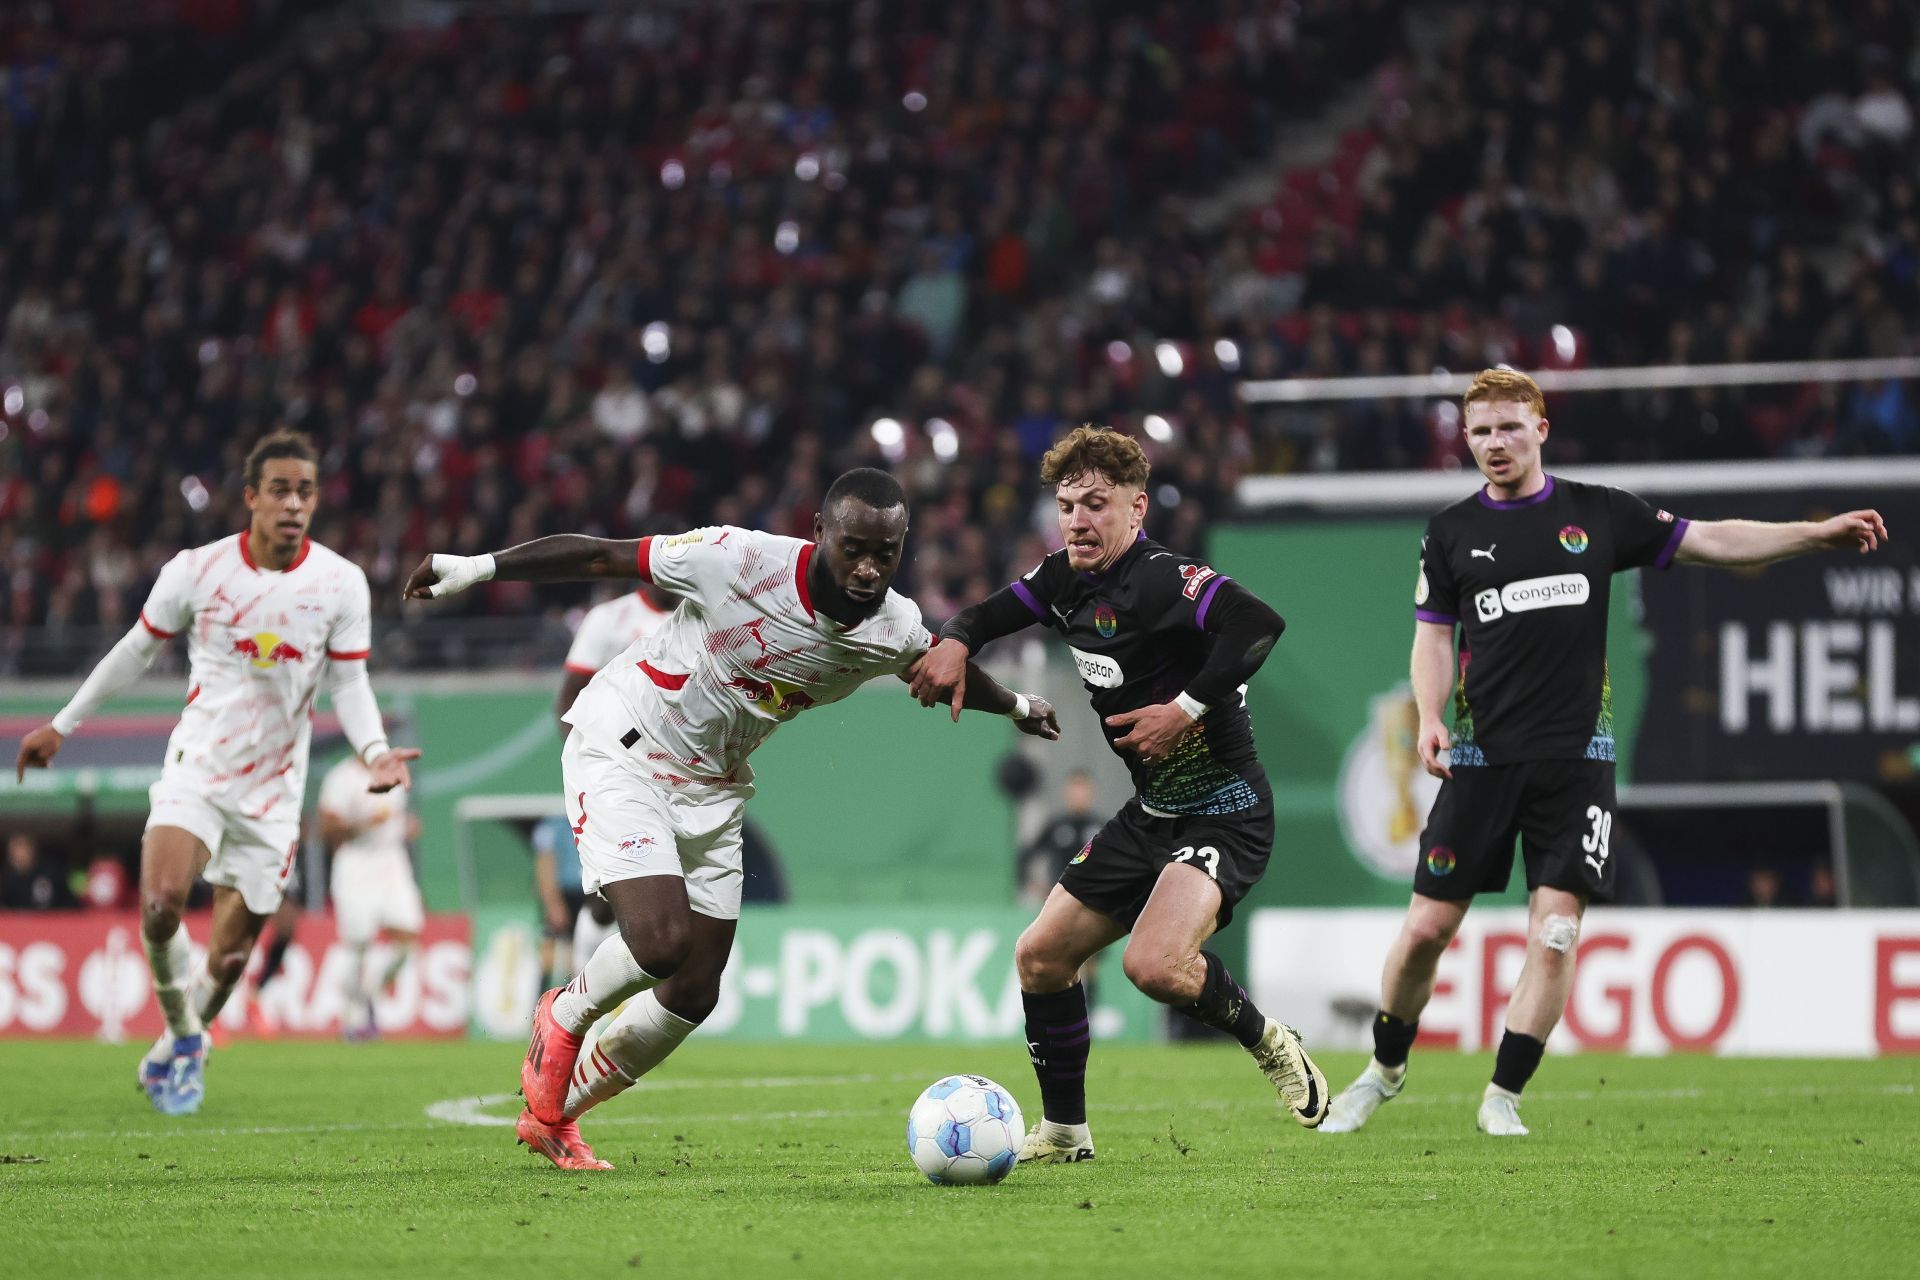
1518,1059
1393,1039
1058,1038
275,957
1225,1006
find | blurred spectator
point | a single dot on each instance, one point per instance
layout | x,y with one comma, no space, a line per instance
557,887
1821,889
29,883
583,271
1060,841
521,274
1765,888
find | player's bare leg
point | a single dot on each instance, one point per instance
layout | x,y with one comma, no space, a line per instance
655,937
1406,985
1539,998
285,922
170,858
235,929
655,1022
1049,956
1166,960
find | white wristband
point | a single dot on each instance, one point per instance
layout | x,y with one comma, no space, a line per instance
1193,707
457,573
374,751
1022,707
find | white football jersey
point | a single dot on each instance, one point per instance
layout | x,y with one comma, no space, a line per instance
258,641
381,819
743,653
610,627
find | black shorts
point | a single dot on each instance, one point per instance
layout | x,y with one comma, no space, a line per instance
1117,870
1562,810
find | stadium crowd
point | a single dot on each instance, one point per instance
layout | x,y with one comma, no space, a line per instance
681,265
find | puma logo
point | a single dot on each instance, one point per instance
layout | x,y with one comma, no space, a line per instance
1488,553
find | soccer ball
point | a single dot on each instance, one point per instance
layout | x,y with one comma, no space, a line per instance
965,1130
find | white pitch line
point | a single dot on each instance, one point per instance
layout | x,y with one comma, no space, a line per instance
470,1111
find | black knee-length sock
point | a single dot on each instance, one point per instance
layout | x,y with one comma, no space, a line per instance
1059,1035
1393,1038
1225,1005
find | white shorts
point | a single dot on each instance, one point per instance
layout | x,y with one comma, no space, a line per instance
627,826
374,891
253,855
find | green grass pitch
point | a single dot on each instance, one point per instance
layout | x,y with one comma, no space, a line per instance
329,1160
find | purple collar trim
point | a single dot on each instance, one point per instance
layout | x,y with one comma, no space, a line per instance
1546,492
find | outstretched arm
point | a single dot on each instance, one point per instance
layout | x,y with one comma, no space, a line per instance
353,701
941,676
1031,714
1744,542
120,668
563,557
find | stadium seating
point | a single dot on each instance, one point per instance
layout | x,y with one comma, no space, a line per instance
599,273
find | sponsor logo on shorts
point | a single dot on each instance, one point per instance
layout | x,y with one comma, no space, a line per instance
1574,538
1100,672
1440,861
1105,621
1556,591
266,650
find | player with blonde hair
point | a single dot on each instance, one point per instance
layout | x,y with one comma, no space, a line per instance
1522,570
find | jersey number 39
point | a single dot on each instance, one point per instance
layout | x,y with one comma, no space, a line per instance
1595,841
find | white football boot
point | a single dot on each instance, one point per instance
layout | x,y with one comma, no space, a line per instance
1050,1143
1298,1081
1500,1116
1359,1100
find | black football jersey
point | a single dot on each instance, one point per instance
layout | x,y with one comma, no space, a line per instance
1528,582
1135,632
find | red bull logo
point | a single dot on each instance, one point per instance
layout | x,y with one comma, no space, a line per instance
266,650
782,699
